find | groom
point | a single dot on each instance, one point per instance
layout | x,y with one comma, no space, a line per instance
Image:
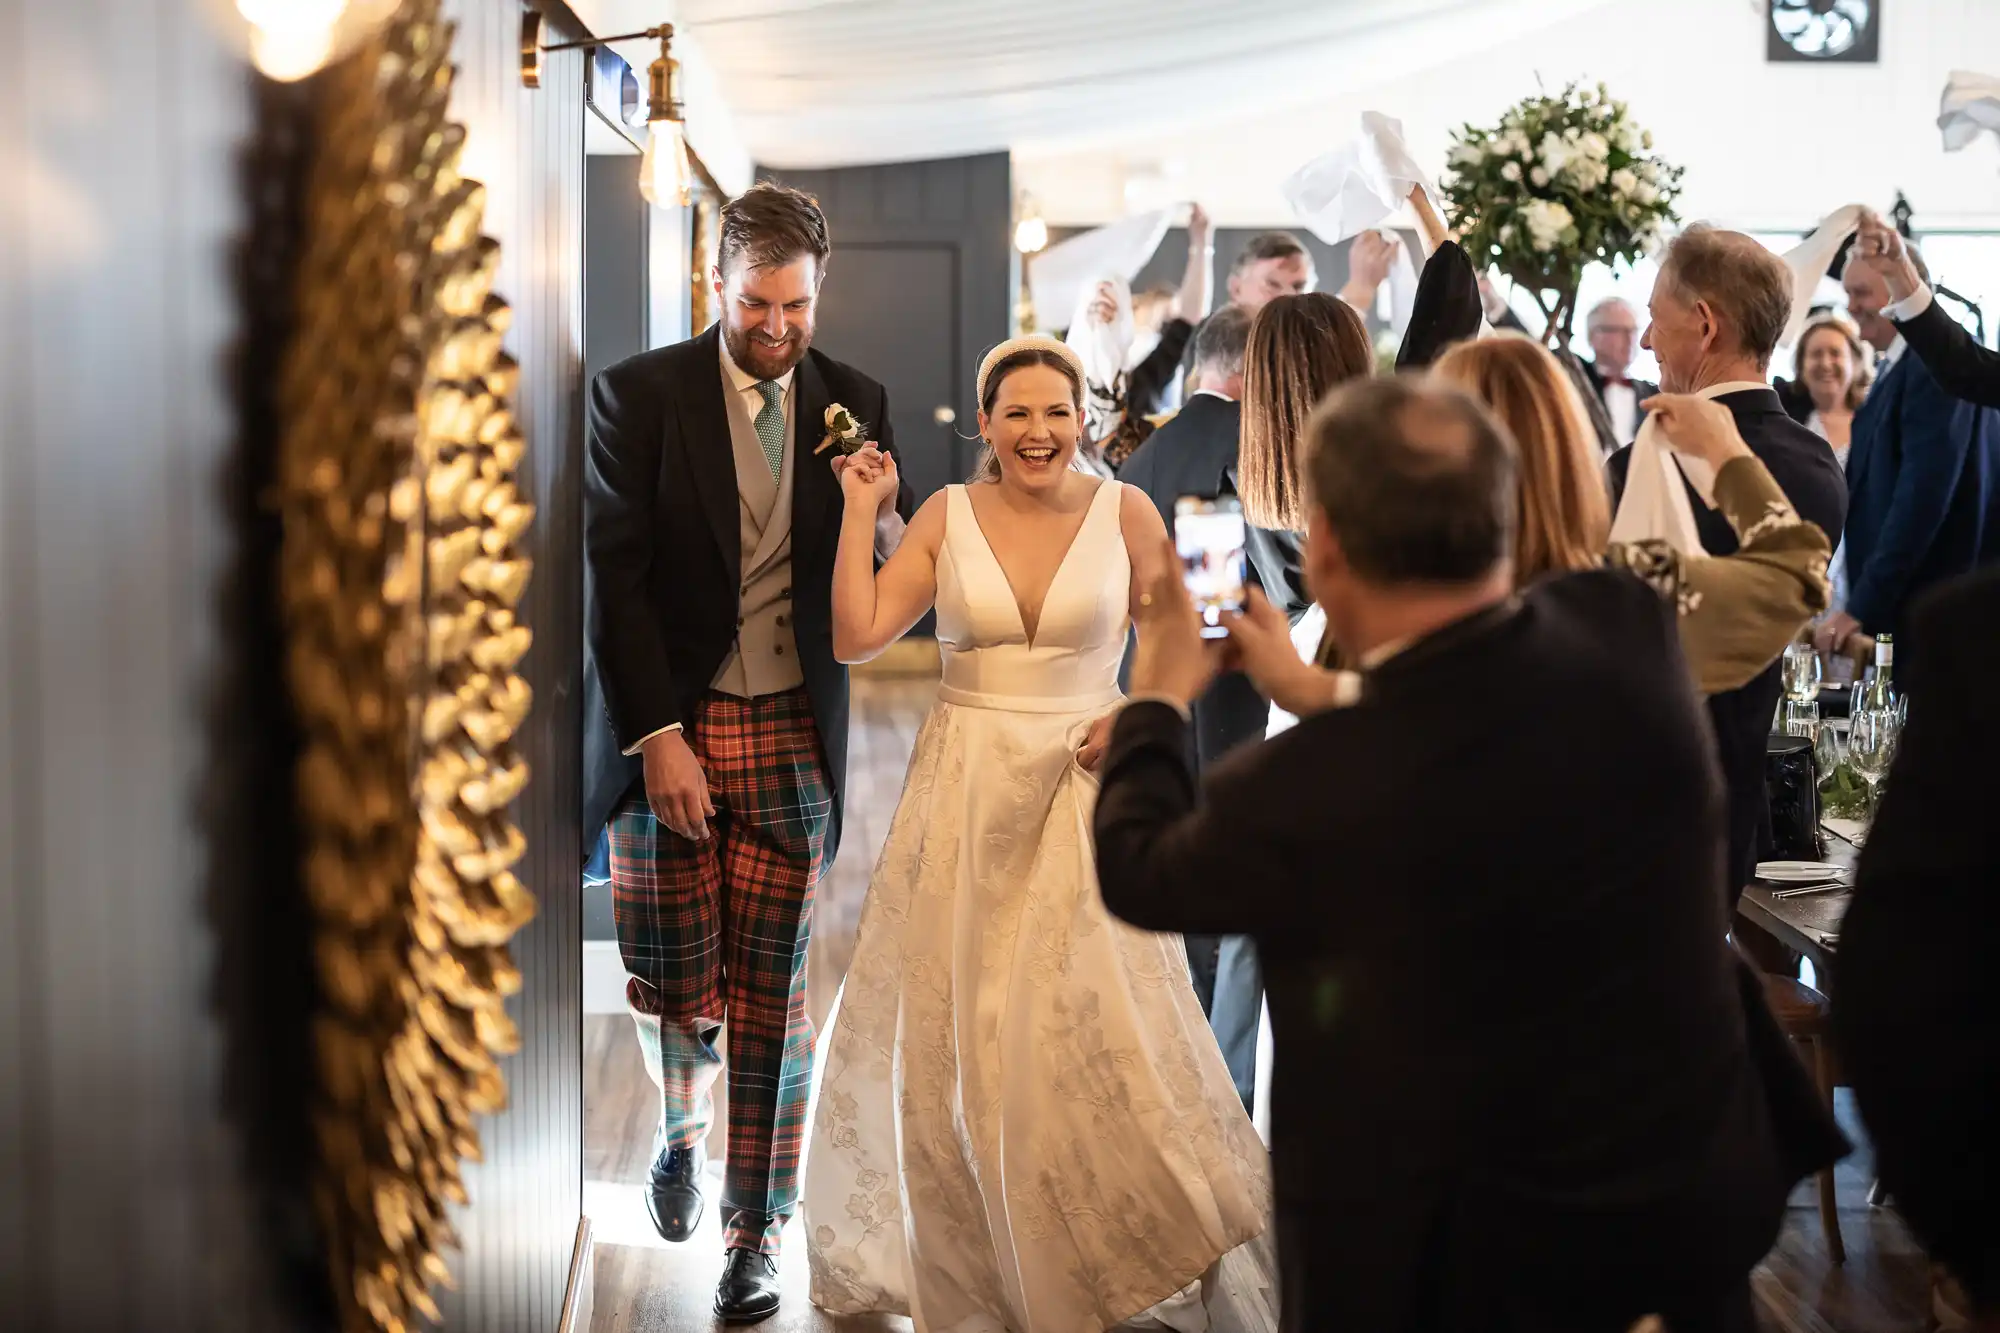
718,745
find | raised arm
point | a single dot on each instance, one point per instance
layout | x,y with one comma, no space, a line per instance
1737,612
872,609
1197,293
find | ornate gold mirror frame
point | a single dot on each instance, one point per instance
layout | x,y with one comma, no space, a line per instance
402,569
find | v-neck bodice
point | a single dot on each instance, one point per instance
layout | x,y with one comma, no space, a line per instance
1072,663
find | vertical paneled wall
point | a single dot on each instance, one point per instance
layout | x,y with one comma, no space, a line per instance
137,742
152,957
528,148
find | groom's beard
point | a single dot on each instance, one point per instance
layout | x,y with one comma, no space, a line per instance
758,355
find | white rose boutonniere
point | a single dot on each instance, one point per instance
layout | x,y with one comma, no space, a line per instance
844,429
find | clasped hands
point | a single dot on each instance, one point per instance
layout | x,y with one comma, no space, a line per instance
868,474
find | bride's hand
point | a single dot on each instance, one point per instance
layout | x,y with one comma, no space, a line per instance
869,476
1090,755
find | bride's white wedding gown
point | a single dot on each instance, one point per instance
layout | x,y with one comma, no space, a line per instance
1024,1124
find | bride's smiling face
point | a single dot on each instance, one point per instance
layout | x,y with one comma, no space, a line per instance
1033,426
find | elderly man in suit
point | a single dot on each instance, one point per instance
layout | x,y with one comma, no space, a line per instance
1923,477
717,715
1719,306
1612,328
1510,1032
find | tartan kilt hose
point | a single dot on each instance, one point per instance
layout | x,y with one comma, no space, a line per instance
714,935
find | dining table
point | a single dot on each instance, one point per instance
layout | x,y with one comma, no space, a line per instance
1806,923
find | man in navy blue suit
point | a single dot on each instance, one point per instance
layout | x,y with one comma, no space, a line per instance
1923,480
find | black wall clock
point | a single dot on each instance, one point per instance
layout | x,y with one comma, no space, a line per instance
1825,31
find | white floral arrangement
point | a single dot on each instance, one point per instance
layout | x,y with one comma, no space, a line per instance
1560,184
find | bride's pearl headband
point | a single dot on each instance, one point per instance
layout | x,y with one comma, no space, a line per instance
1034,342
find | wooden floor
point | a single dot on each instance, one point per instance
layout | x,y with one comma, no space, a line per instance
644,1285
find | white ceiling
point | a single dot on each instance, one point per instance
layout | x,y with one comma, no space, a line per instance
1111,105
816,83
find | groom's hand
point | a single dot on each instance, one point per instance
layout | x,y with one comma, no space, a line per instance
868,469
676,788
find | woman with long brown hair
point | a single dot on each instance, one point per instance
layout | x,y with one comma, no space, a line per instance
1300,349
1737,612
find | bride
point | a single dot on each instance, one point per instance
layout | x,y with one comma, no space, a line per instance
1023,1124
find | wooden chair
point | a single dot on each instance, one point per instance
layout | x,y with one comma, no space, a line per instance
1801,1012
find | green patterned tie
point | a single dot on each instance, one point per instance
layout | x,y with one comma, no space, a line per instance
771,425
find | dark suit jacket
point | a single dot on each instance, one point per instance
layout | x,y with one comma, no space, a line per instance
663,553
1923,481
1195,454
1962,366
1916,1013
1510,1034
1804,467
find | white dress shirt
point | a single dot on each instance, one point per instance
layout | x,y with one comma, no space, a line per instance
1621,403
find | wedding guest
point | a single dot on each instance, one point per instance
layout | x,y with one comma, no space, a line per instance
1612,329
1271,264
1923,478
1916,1015
1737,611
1719,306
1298,348
1835,369
1962,366
1832,371
1522,1051
1195,454
1150,384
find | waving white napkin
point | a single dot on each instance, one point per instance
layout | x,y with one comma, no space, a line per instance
1064,277
1970,107
1358,185
1103,349
1809,262
1655,505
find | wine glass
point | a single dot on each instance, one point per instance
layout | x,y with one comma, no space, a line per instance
1802,673
1871,747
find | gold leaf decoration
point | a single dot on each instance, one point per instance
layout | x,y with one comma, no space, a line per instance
402,571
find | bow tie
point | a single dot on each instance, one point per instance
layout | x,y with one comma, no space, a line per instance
1617,379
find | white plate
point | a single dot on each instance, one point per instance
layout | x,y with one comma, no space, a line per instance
1799,872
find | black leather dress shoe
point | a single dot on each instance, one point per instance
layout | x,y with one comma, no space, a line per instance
748,1291
673,1196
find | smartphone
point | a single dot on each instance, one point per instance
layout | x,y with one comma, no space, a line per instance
1208,534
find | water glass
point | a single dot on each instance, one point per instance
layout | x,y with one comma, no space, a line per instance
1802,719
1871,748
1802,673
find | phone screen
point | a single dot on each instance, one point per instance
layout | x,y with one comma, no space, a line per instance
1208,534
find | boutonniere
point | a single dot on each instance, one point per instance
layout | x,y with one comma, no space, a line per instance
844,429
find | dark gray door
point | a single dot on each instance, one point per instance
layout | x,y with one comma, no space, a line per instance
891,311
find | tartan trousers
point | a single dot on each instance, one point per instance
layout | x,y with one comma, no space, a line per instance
714,935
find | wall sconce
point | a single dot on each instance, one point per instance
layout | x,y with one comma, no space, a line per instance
1031,233
665,175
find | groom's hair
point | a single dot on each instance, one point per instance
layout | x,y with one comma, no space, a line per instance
1416,480
770,225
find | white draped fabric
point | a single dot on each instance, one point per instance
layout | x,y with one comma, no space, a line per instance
818,84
